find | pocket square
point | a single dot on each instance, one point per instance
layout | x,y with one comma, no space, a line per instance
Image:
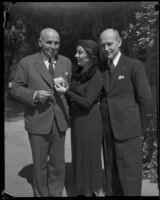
121,77
66,73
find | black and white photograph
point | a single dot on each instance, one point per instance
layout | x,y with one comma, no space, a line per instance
81,90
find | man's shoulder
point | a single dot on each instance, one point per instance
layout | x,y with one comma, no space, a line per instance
131,60
30,57
98,75
63,58
103,66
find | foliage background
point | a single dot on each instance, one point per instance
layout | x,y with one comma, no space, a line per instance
137,23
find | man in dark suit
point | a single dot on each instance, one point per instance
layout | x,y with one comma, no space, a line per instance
46,112
126,96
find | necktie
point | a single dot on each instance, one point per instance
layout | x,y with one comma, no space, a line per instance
111,68
51,68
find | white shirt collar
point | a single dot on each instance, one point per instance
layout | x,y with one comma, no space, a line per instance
116,59
46,61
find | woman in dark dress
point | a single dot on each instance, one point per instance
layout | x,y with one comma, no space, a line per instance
86,122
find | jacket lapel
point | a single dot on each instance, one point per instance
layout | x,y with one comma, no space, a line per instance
41,68
116,73
106,76
59,67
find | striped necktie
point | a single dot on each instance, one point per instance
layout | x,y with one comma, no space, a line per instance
111,67
51,67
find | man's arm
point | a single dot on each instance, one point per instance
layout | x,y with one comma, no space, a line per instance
142,89
19,88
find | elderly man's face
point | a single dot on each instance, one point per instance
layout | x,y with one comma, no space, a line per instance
49,43
110,44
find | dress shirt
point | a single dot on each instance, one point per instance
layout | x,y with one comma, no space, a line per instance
46,62
116,59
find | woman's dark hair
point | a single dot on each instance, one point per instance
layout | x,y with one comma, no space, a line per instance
91,48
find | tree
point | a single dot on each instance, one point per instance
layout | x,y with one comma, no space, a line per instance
14,36
142,35
143,32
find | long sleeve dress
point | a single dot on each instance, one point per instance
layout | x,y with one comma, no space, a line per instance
86,130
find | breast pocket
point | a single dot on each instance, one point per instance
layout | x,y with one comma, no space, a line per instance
66,76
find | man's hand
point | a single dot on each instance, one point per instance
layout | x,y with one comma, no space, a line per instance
42,95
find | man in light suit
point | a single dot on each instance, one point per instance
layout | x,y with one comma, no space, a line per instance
46,112
126,96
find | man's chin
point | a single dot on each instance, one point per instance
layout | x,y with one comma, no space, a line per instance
109,57
50,55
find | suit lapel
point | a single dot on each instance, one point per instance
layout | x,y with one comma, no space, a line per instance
58,67
106,77
116,73
41,68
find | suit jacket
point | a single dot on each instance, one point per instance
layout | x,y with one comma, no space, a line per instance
125,97
32,75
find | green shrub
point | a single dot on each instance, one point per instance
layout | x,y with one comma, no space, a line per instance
149,141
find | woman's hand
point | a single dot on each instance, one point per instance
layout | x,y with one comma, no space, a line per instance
60,88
